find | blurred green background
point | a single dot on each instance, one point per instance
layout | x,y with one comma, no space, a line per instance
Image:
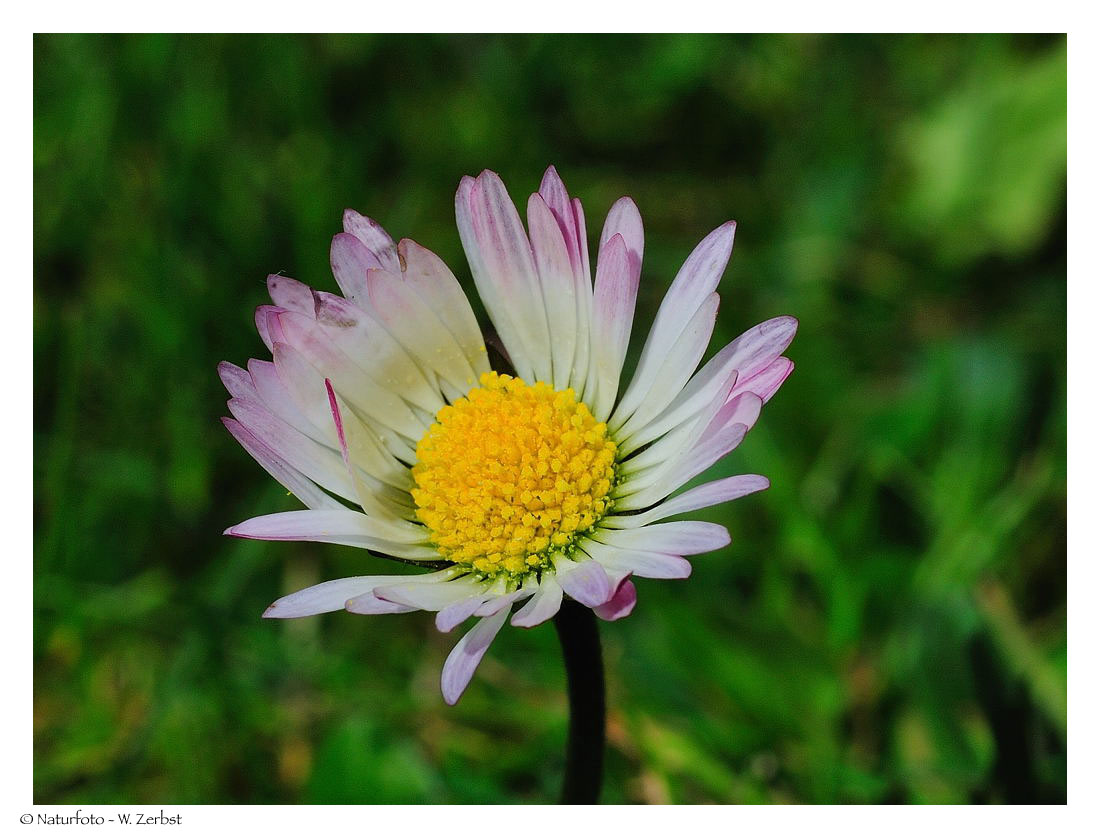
889,622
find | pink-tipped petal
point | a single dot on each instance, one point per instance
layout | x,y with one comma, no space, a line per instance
582,239
504,271
624,220
754,358
621,604
467,654
767,382
586,582
262,324
292,387
743,408
290,293
558,285
291,478
553,192
374,238
350,260
320,464
237,381
273,392
761,345
613,300
273,327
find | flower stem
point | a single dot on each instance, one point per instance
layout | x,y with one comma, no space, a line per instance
580,646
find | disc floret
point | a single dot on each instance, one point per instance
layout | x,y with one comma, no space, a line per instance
512,474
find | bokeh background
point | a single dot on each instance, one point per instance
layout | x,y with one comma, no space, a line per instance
889,622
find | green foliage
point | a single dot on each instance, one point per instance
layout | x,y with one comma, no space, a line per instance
889,622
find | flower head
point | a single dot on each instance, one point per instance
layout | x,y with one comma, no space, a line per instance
379,411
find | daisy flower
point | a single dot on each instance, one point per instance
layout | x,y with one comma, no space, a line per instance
380,412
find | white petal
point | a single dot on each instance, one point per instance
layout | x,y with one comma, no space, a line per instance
456,612
320,464
375,351
368,603
408,318
295,482
373,399
639,493
461,664
494,604
543,605
680,362
504,271
666,451
700,497
294,390
326,597
435,283
694,283
559,289
613,302
345,527
432,595
363,449
368,464
644,563
679,538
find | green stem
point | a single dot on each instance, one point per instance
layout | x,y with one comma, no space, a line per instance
580,646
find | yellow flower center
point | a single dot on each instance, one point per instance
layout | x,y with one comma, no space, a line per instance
511,474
